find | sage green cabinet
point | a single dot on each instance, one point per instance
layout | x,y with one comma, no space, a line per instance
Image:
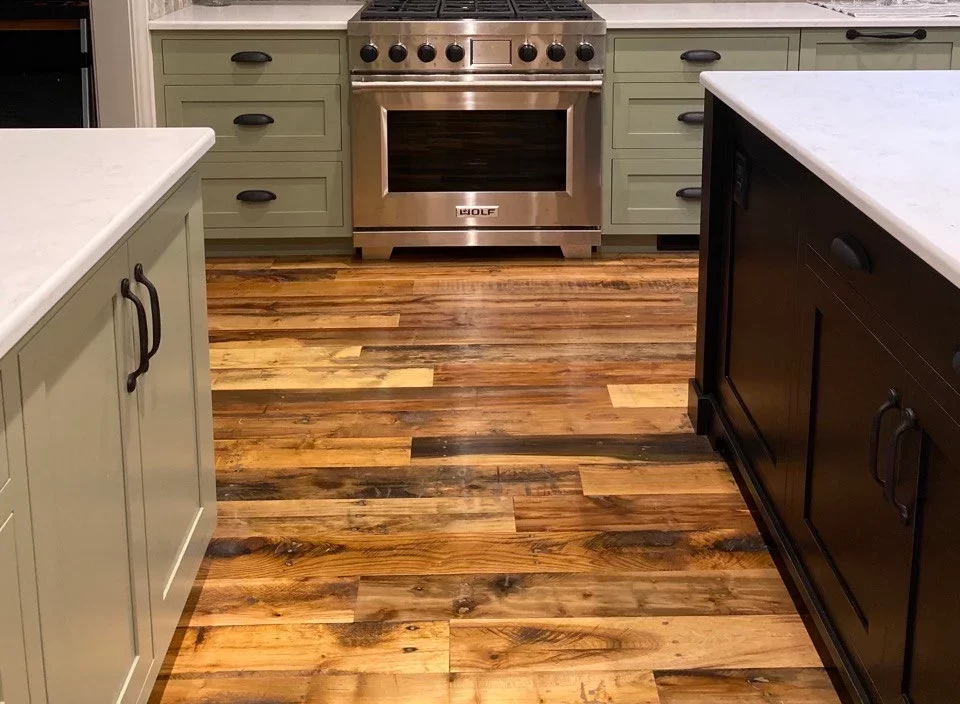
832,50
647,116
308,195
113,483
173,401
14,687
302,118
83,464
645,192
301,153
304,56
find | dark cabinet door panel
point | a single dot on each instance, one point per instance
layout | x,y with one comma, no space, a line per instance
758,360
852,540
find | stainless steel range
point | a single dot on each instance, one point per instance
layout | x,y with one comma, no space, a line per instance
476,122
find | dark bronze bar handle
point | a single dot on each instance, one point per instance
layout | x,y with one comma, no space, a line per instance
848,250
690,193
908,423
893,401
700,56
251,57
915,34
694,117
142,331
256,196
154,307
253,119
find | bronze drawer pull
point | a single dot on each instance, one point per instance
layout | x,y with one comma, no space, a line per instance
256,196
893,401
915,34
910,422
700,56
848,250
690,193
251,57
253,119
144,363
693,117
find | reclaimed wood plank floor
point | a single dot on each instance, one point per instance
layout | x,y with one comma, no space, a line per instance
474,483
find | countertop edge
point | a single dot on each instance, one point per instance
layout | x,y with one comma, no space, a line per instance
162,25
46,296
909,236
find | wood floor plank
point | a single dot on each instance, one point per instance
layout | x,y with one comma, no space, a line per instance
648,395
500,596
238,519
229,602
320,378
709,477
683,512
598,644
562,373
283,453
318,554
769,686
272,483
553,688
309,648
266,357
219,321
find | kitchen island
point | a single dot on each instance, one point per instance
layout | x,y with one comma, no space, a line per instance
106,452
828,352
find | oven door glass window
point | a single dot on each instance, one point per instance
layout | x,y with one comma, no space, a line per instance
476,150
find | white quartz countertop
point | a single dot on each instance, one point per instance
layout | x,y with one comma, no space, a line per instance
744,15
67,197
261,16
882,139
627,15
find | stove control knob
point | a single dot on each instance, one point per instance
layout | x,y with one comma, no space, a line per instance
556,52
398,53
426,53
586,52
369,53
455,53
527,52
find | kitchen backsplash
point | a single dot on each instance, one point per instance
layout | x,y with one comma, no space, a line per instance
162,7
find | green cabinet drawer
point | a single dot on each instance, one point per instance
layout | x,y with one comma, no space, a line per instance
831,50
308,194
216,56
647,116
644,191
738,52
302,118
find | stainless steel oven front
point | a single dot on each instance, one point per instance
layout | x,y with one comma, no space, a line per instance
476,152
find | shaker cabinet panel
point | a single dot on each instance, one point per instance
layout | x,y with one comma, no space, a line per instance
175,469
249,54
648,191
84,483
657,116
884,49
855,544
14,688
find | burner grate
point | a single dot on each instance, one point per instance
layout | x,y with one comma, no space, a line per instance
552,10
477,10
400,10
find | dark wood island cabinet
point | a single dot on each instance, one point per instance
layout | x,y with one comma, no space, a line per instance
828,370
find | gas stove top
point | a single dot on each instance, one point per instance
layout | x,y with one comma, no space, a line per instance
476,36
407,10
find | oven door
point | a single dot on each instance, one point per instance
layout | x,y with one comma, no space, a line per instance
498,152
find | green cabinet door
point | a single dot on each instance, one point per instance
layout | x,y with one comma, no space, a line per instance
14,687
248,54
271,118
657,116
832,50
85,492
176,439
651,192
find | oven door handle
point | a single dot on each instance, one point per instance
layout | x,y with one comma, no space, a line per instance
426,86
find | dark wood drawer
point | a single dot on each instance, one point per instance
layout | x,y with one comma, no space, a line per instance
909,295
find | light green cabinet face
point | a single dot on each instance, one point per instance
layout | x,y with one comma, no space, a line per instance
188,57
304,118
83,471
171,468
308,194
661,54
830,50
13,656
646,115
4,459
645,192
